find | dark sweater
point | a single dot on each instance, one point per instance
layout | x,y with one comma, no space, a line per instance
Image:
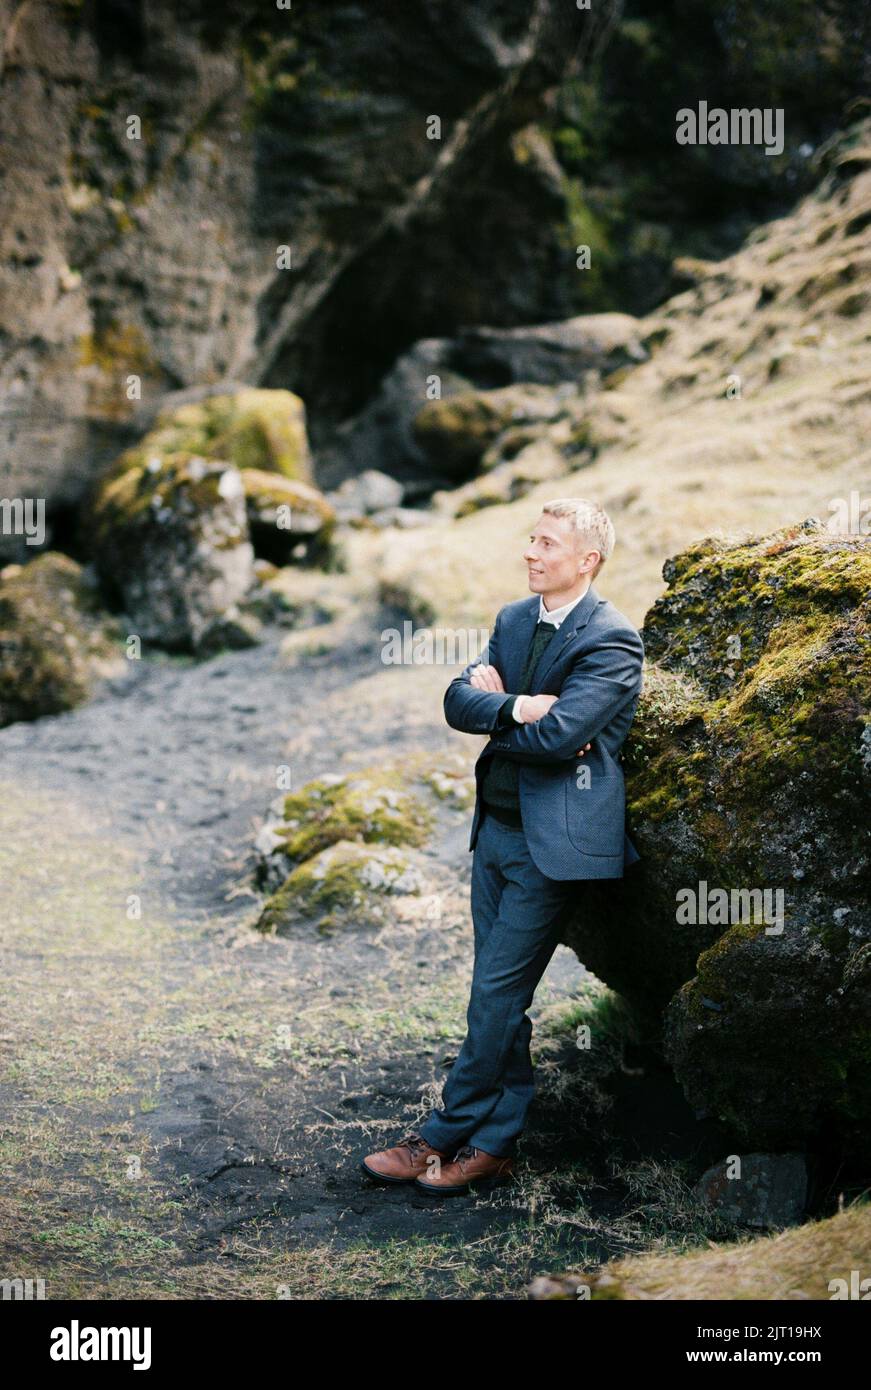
499,788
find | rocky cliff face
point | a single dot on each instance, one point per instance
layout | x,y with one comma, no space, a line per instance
155,159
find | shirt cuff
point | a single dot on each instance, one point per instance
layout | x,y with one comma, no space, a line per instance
503,719
516,708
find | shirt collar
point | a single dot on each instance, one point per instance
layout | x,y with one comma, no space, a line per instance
556,615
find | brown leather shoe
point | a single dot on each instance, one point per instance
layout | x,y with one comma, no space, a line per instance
469,1165
403,1162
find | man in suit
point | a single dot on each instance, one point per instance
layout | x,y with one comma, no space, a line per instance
559,680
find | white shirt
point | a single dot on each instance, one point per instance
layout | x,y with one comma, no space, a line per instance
552,615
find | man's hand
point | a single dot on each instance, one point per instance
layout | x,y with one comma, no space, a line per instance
487,678
534,707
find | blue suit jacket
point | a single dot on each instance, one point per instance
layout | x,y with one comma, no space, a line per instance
573,809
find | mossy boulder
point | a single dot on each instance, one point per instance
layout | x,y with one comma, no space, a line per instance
343,885
288,520
332,853
747,925
171,545
454,433
372,806
814,1261
250,428
55,643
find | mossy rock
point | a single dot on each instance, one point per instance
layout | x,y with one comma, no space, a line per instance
345,884
288,520
265,430
171,545
55,643
373,806
453,782
809,1262
748,771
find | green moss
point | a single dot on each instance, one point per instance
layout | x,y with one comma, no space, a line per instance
262,430
372,806
54,642
340,885
792,698
133,489
452,784
720,591
584,227
117,348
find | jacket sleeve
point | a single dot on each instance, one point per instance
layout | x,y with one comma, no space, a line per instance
479,711
596,688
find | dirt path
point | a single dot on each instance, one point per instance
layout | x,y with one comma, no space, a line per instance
184,1103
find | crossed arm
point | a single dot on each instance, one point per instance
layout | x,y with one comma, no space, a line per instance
598,685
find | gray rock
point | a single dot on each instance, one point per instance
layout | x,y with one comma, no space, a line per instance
549,353
725,935
406,518
369,491
770,1193
381,438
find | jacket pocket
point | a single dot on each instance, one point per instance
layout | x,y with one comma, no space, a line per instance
596,814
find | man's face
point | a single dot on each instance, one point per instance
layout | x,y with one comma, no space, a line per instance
554,559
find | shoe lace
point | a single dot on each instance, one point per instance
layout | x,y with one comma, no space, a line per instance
467,1151
414,1141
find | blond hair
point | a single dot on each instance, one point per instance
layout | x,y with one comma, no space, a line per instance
589,521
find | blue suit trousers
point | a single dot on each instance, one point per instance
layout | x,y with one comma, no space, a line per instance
517,913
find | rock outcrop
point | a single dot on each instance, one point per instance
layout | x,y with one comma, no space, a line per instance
172,547
371,805
748,773
754,400
344,885
55,643
289,521
581,351
179,518
263,430
454,434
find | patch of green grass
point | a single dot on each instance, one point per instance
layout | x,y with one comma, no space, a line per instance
101,1236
